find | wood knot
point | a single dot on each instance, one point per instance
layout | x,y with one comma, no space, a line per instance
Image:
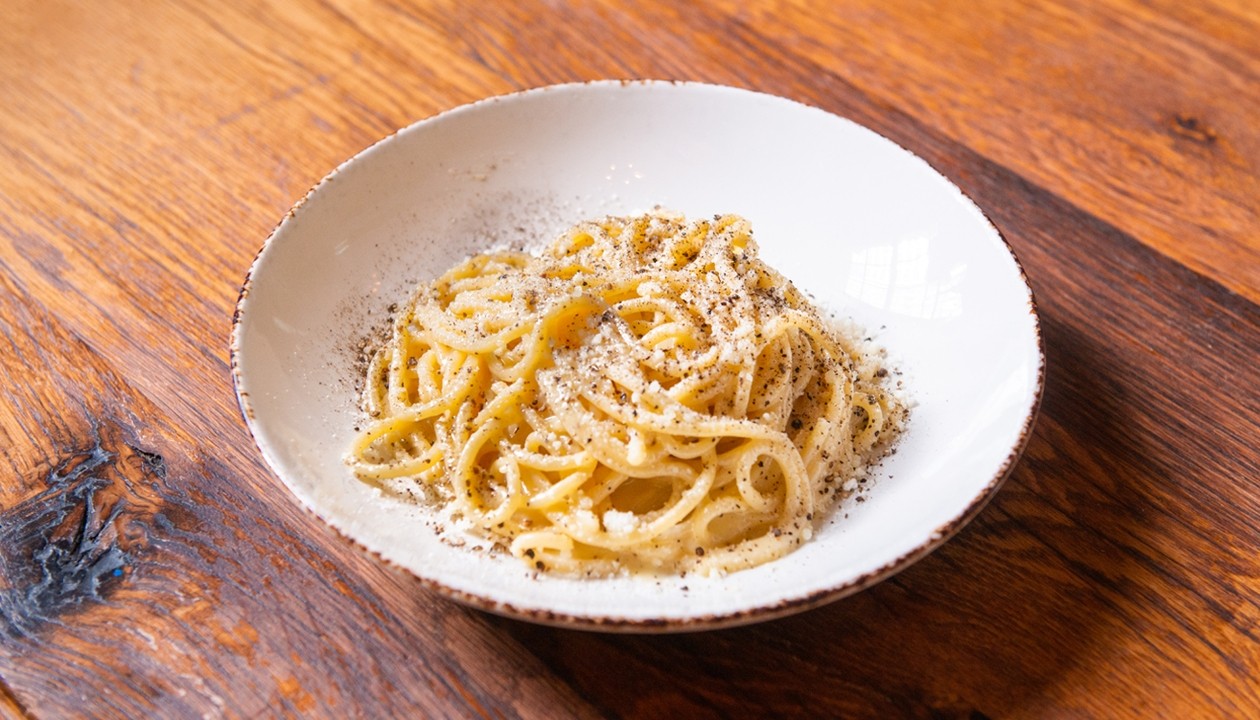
1192,128
66,545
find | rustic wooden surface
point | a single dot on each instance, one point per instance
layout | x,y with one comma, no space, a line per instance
150,566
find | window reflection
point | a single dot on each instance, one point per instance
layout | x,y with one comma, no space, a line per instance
899,278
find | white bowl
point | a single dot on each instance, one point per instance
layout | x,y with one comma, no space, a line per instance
869,229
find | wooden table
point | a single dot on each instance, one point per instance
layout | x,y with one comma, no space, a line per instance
151,566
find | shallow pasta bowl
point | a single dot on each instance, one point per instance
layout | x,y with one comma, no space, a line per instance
867,228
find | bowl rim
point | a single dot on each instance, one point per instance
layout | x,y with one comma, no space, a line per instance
610,623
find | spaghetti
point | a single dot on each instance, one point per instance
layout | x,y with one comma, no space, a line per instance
645,395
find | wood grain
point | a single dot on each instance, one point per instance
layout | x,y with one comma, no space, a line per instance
1116,106
151,566
126,539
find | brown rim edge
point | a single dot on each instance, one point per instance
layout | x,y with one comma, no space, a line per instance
761,613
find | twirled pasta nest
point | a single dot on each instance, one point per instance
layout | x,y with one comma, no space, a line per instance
645,395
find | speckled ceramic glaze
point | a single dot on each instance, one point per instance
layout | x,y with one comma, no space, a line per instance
870,230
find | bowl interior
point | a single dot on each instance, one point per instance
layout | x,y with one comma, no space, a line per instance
870,230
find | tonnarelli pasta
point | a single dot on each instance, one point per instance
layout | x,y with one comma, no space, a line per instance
645,395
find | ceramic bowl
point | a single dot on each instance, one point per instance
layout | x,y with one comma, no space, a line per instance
869,229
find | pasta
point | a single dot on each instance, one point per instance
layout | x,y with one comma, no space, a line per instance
643,396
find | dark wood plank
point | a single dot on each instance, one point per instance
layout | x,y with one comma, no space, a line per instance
1122,547
145,573
1139,115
